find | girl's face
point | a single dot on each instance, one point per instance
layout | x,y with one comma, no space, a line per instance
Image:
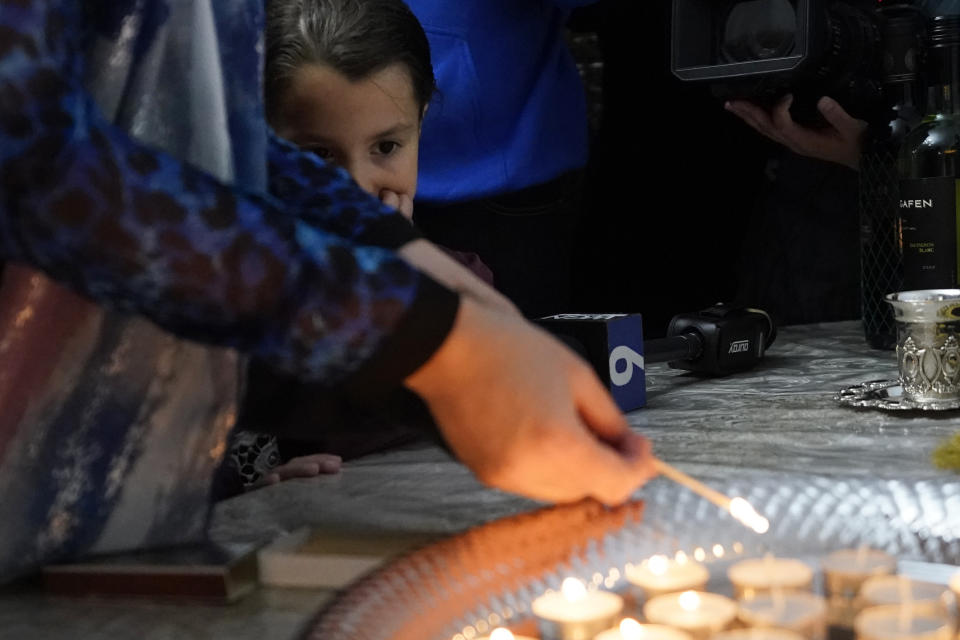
370,127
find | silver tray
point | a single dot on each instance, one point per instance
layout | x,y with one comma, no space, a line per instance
888,395
461,587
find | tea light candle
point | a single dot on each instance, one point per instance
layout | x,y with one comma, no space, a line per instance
895,622
573,613
799,611
699,613
504,634
630,629
757,575
659,574
845,570
757,633
901,590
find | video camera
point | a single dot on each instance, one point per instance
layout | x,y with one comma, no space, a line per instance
851,50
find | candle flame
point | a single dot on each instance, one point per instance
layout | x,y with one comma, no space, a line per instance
681,557
745,513
689,601
658,565
630,629
718,550
501,634
573,590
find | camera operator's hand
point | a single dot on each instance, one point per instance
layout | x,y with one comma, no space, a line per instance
840,142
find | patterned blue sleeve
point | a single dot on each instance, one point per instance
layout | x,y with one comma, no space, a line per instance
304,183
139,230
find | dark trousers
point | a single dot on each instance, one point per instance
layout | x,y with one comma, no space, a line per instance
525,237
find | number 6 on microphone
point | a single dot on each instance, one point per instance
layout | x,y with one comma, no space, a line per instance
613,345
632,360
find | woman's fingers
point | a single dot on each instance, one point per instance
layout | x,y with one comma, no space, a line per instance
399,201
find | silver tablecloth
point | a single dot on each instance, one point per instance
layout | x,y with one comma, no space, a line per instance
825,475
778,421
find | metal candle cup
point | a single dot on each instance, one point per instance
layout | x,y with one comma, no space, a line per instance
659,574
900,590
928,345
504,634
894,622
799,611
575,613
760,575
844,572
699,613
630,629
757,634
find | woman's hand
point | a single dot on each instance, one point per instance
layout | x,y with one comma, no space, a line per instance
840,142
527,415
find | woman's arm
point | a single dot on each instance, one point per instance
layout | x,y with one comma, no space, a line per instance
303,182
139,230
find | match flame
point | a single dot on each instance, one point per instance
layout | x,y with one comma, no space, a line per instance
689,601
658,565
745,513
501,634
573,590
630,629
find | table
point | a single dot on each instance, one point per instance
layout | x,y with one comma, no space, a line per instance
779,420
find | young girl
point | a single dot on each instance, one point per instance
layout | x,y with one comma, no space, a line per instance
349,80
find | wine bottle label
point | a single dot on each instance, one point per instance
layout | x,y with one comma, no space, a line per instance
928,232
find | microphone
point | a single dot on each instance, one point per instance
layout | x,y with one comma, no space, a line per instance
613,345
716,341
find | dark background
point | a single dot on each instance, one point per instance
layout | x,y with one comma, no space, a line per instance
685,205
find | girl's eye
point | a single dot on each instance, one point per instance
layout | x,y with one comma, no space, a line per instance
323,152
387,147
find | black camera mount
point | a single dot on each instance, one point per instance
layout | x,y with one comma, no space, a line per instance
760,50
719,340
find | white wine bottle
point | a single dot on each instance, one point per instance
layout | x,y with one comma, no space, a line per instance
929,169
904,34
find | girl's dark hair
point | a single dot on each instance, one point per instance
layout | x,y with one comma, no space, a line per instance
354,37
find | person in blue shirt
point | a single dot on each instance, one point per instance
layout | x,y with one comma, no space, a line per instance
504,143
269,251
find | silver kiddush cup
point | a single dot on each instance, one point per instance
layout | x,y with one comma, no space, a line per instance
928,346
